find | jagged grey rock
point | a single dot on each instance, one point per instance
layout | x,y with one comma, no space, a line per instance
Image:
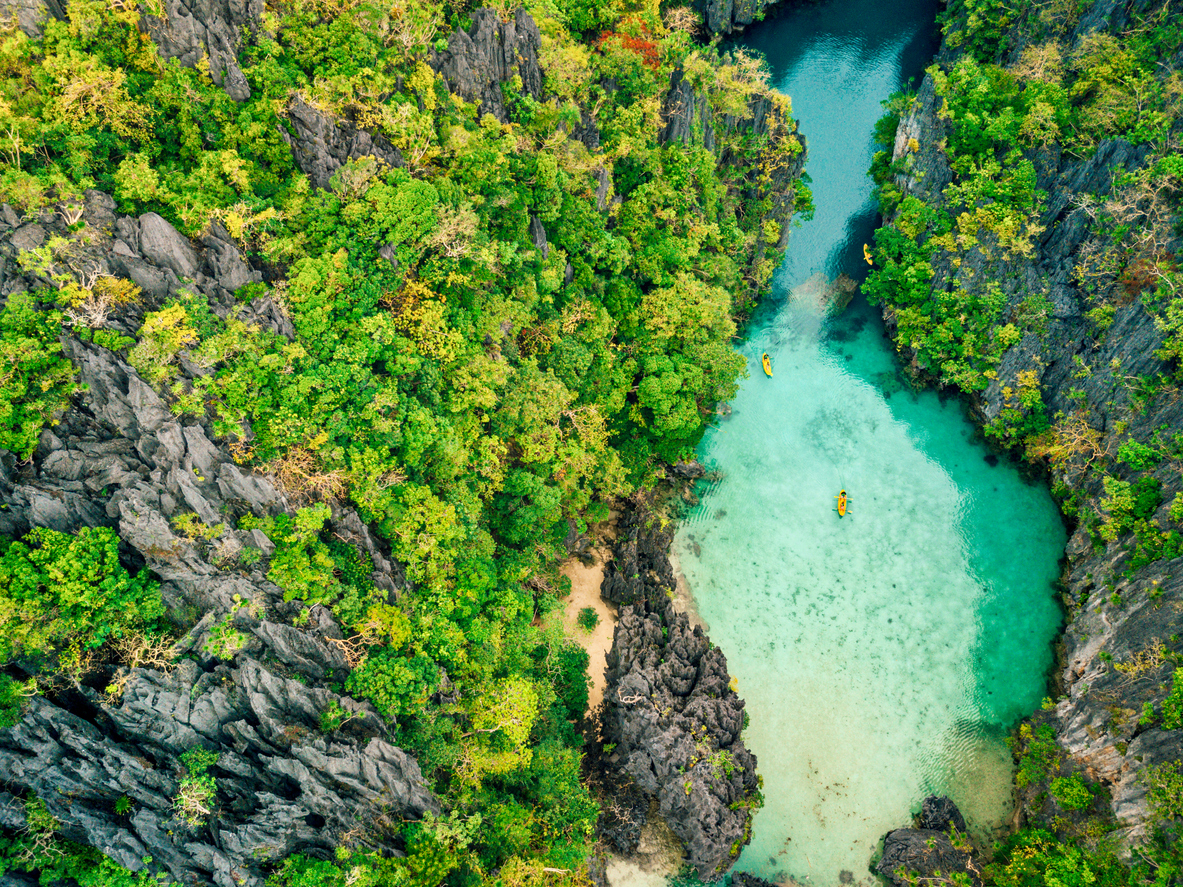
688,115
32,14
491,52
669,709
938,813
321,146
911,852
726,16
195,29
538,236
120,458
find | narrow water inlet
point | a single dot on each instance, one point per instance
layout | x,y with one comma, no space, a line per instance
883,655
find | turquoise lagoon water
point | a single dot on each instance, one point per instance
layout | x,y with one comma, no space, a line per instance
884,655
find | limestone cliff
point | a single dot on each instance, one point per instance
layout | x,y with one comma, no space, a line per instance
726,16
690,117
245,682
1095,382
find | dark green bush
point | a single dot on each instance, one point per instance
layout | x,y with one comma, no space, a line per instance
588,619
1071,791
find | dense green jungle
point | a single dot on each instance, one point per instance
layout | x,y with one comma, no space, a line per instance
332,328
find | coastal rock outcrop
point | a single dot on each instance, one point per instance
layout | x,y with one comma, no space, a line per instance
726,16
671,717
936,848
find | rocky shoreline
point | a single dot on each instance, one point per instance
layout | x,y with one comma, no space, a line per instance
671,722
1096,367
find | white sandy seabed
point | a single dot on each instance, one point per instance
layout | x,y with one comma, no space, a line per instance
883,655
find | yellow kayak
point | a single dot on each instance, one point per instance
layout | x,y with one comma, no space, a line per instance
841,497
767,364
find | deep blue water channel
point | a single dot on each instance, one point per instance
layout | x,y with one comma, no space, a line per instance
883,655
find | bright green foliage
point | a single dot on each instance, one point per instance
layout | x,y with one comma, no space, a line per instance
12,696
63,861
163,335
589,15
316,569
1038,754
1138,456
1035,858
1126,504
435,848
57,589
37,850
1164,789
571,683
978,25
588,619
35,380
197,788
1023,416
1172,705
991,205
397,685
1071,791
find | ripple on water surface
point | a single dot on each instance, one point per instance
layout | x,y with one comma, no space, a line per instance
883,656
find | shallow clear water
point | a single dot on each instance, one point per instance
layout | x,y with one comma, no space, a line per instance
883,655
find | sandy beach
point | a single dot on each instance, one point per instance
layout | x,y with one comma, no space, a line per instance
585,592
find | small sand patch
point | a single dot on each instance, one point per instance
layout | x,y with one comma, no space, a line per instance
658,857
684,596
585,592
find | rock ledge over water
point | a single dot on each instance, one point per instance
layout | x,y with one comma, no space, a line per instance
671,720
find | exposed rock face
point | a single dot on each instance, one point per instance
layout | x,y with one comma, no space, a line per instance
725,16
927,851
190,31
120,458
742,879
492,52
31,13
194,29
908,852
938,813
282,786
689,118
1120,615
688,115
320,145
475,65
669,710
